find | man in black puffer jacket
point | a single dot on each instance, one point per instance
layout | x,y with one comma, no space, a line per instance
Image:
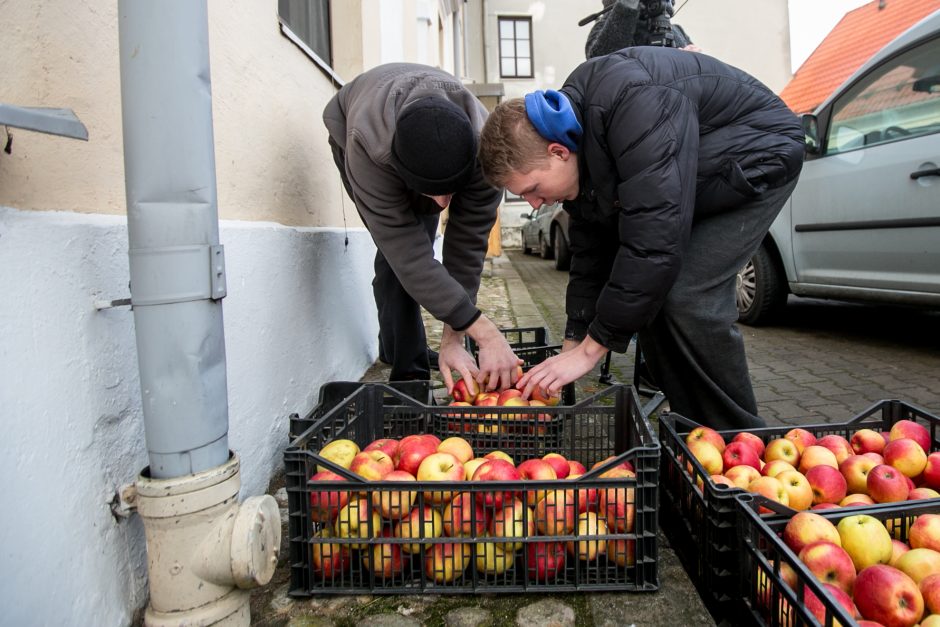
672,165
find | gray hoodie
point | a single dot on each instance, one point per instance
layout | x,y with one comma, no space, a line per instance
361,120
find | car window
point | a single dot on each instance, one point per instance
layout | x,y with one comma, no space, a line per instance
897,100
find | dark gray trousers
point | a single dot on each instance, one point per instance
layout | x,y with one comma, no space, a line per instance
693,346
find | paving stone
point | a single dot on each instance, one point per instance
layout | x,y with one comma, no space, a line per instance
546,613
468,617
389,620
310,621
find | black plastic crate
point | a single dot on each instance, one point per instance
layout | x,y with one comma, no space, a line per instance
701,522
334,392
521,337
766,597
609,427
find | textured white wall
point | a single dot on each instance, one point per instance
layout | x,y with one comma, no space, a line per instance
299,313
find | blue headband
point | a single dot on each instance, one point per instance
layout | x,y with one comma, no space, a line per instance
554,119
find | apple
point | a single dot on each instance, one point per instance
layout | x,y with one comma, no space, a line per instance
765,587
918,494
855,469
801,438
898,549
358,520
886,595
393,504
419,436
839,446
931,474
805,528
372,465
389,446
589,526
878,457
799,491
930,621
617,505
587,498
340,452
856,500
867,441
513,520
622,552
458,447
465,390
910,429
536,470
706,434
828,484
556,515
384,559
815,455
770,487
507,394
559,464
325,504
492,559
495,469
328,559
464,517
815,607
740,454
471,466
723,480
421,523
708,456
830,563
749,438
930,589
742,476
440,467
574,467
784,449
919,563
446,562
887,484
774,468
925,532
546,560
413,450
540,395
500,455
866,540
906,455
625,464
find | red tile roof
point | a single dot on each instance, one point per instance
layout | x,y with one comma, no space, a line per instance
859,35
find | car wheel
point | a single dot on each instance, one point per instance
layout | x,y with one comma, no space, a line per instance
761,290
562,254
526,249
545,248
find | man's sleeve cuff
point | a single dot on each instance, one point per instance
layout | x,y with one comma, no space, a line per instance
609,340
463,327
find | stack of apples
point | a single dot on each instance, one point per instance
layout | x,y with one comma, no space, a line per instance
467,393
878,579
803,472
487,525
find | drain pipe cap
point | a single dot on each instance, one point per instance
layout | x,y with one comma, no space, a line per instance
256,541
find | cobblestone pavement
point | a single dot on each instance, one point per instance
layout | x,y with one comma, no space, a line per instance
823,362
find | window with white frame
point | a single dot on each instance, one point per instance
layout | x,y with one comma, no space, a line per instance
515,47
309,22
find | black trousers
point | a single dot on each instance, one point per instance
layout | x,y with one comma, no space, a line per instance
693,347
402,341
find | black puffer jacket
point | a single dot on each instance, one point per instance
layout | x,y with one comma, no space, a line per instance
669,136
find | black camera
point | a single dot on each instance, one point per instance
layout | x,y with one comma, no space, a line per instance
625,23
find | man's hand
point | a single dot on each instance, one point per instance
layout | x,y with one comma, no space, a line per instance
575,361
498,364
454,356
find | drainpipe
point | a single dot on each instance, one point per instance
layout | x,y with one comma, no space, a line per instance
204,548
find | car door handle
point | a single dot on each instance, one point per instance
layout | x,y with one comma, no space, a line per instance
929,172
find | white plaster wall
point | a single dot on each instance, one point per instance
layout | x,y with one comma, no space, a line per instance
299,313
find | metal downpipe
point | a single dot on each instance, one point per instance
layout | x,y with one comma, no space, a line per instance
204,548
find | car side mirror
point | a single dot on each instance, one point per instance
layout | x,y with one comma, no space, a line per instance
526,216
811,133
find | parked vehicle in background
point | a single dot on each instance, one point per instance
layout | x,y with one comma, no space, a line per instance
863,222
546,230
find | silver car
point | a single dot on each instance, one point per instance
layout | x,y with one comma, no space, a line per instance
863,223
546,230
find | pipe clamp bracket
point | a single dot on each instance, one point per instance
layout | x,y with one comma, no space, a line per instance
176,274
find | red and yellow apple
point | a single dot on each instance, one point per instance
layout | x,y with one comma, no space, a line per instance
358,520
706,434
906,455
446,562
340,452
749,438
815,455
372,465
801,438
913,430
393,504
325,504
799,491
784,449
458,447
805,528
867,441
925,532
886,595
559,464
742,476
464,517
536,470
887,484
421,523
546,560
589,526
830,563
513,520
739,454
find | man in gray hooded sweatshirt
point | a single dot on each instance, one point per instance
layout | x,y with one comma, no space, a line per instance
404,138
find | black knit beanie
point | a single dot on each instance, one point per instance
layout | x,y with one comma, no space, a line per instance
434,148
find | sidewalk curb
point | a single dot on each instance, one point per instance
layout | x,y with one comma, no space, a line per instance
524,309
